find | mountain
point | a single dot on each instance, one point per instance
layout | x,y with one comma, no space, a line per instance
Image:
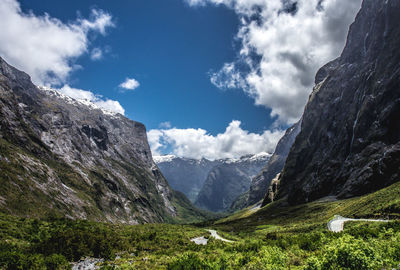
228,180
349,143
185,174
260,183
65,157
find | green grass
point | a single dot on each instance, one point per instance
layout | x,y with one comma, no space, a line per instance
384,203
277,236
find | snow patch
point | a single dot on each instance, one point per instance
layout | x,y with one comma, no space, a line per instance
53,92
262,156
161,159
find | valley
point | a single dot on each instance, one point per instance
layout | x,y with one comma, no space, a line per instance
212,185
86,187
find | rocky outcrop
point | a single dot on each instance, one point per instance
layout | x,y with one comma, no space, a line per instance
227,181
260,183
272,191
64,157
349,142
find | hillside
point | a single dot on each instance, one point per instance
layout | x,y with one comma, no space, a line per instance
65,157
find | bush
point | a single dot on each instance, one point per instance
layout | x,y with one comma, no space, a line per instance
56,262
346,252
188,261
310,241
269,258
78,241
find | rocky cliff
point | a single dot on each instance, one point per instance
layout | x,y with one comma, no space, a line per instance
260,183
64,157
228,180
349,143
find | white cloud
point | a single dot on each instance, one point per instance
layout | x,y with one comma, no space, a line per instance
96,54
43,46
98,100
198,143
292,38
130,84
228,77
99,21
154,138
165,125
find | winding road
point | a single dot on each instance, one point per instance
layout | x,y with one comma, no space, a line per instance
337,223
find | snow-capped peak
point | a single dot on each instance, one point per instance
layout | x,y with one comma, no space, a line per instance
249,158
260,156
166,158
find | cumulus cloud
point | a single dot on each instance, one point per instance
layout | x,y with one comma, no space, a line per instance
198,143
291,39
98,100
43,46
130,84
96,54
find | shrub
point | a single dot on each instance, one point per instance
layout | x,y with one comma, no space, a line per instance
269,258
56,262
346,252
188,261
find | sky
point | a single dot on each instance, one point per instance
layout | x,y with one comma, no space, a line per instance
208,78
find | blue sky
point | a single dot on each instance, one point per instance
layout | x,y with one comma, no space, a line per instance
169,48
214,78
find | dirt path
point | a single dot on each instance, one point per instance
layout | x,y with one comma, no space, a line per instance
337,223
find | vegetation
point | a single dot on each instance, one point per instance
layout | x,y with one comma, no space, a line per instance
275,237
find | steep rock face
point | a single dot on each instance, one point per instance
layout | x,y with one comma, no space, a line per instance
67,157
227,181
272,191
349,142
185,174
260,183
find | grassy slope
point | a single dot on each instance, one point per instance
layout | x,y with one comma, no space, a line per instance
384,203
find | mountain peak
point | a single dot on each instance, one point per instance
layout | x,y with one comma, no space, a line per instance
53,92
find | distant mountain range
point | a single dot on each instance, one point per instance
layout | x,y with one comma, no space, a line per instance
212,185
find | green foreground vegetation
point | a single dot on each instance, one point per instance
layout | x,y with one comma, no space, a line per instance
274,237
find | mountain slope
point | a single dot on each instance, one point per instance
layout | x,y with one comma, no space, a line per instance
227,181
349,143
60,156
260,183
